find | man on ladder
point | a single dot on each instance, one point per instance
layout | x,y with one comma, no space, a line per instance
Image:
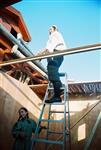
54,43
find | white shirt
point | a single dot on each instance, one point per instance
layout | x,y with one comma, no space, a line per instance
56,42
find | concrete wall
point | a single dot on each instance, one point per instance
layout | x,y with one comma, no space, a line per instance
13,95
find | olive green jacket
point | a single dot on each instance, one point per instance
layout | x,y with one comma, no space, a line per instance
22,132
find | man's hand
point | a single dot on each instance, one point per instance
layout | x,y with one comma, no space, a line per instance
41,128
42,52
22,135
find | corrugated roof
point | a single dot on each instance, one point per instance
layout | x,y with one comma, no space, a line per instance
85,87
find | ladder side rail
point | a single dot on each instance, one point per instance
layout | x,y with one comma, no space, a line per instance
68,129
48,125
68,108
64,128
38,123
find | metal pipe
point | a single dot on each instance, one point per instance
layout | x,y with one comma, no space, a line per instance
20,38
22,48
33,66
57,53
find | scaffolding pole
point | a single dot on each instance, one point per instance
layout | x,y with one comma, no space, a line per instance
22,48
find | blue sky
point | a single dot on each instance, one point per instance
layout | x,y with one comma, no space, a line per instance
78,21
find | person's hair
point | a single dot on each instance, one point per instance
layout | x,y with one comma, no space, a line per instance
54,27
25,109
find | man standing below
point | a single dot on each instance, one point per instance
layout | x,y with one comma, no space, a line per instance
54,43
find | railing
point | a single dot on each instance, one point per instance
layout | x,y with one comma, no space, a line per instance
57,53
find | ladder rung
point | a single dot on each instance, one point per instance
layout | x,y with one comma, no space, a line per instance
58,112
56,103
51,88
62,74
53,132
48,141
46,120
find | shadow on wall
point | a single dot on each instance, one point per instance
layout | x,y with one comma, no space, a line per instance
19,89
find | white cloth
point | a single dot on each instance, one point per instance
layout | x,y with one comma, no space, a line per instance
56,42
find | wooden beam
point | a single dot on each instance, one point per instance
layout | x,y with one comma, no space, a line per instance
5,3
38,85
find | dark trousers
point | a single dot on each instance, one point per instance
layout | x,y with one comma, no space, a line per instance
53,73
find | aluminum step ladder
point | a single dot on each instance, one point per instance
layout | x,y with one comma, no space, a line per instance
66,115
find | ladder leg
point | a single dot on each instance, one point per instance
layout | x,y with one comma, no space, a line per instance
64,130
48,125
68,132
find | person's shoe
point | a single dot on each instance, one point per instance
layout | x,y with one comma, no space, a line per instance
53,100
